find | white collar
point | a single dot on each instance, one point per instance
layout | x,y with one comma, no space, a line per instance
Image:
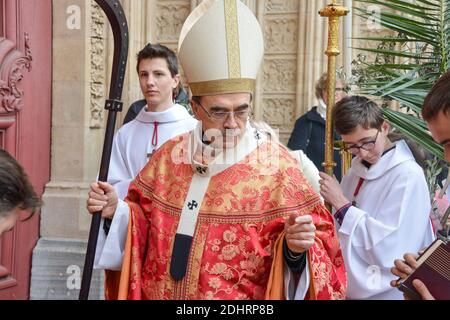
223,158
173,114
322,109
400,154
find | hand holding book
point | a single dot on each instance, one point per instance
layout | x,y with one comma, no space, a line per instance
422,289
426,276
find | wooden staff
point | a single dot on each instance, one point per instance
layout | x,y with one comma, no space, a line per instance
116,16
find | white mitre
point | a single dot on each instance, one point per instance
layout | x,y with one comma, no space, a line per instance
221,48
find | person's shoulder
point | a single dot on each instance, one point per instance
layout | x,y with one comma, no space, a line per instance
172,142
407,172
190,122
303,117
406,161
171,153
284,154
409,167
126,129
305,161
175,146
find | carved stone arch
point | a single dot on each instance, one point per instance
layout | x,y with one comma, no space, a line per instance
13,63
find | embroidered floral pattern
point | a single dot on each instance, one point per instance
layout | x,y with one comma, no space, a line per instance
241,217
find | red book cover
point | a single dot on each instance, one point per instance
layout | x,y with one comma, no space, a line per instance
433,271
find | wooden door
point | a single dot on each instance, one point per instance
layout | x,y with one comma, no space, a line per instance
25,121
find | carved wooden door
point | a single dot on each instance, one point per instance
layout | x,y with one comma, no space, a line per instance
25,120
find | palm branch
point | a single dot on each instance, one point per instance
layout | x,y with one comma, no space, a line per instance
408,62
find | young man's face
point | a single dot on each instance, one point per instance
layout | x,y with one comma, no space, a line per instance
8,221
440,130
214,113
157,83
373,140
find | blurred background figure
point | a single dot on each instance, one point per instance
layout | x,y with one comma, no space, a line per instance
309,131
16,192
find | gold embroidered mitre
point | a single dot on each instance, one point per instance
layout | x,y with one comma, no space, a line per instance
221,48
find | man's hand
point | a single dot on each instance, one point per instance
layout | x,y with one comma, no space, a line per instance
422,290
404,268
300,233
331,191
102,197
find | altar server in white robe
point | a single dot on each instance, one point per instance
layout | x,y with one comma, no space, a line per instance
136,141
382,206
436,113
156,123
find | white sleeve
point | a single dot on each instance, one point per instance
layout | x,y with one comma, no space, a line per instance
310,171
119,175
110,248
448,192
296,293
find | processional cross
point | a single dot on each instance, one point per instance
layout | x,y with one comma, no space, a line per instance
333,12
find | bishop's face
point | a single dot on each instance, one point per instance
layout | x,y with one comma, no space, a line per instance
224,117
440,130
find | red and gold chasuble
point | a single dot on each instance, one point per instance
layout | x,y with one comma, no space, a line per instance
235,253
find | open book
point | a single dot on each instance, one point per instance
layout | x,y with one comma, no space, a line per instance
433,271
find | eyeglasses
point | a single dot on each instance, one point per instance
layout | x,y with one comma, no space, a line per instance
368,146
223,115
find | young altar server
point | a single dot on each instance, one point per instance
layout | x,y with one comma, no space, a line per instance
382,205
159,121
136,141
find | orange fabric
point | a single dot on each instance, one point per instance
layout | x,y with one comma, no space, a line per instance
126,266
335,277
117,282
275,285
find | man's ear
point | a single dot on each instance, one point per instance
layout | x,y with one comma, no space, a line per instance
177,80
386,127
194,107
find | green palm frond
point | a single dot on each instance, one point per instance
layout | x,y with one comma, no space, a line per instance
408,62
414,129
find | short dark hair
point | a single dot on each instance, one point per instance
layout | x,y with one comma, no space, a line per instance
438,99
152,51
15,188
355,111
